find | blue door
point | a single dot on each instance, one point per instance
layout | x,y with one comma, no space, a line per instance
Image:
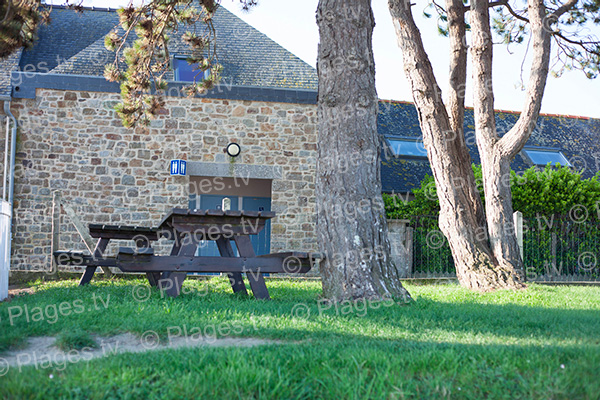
260,242
213,202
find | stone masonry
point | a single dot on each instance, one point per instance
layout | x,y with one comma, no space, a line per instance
73,142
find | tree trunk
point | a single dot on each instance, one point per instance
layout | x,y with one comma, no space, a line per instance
494,165
460,210
496,153
456,105
351,224
485,249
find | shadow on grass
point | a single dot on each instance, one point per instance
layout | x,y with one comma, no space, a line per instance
111,307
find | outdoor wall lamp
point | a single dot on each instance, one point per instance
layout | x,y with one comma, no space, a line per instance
233,149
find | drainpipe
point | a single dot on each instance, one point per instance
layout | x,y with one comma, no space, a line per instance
13,149
11,176
5,159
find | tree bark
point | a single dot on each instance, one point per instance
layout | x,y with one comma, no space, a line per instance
456,102
461,218
495,166
496,153
484,246
351,224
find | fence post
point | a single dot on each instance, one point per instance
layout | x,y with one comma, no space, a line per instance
409,250
401,246
553,252
518,223
55,230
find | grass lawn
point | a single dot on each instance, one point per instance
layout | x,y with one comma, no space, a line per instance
543,342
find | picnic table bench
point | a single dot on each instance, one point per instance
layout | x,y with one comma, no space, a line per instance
187,228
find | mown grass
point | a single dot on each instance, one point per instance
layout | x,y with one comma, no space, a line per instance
543,342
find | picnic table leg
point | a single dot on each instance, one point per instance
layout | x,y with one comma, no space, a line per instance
171,282
235,278
153,277
98,253
164,282
257,281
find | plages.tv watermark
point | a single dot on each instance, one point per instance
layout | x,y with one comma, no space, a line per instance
359,308
51,313
188,335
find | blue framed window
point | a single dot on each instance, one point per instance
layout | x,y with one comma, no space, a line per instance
412,148
544,156
185,72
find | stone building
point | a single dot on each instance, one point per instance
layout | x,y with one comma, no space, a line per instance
71,140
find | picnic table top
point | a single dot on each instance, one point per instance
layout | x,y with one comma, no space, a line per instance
199,213
97,230
120,228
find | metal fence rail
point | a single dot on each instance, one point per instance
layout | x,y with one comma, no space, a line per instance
555,249
559,248
431,253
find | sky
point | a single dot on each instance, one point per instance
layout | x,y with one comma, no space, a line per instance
291,23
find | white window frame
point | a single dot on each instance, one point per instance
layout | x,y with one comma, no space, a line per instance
389,141
547,150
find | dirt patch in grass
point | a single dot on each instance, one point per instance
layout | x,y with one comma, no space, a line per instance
43,353
18,290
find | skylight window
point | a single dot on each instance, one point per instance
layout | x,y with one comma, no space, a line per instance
185,72
408,148
543,157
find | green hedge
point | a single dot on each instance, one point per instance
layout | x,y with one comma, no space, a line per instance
553,190
560,210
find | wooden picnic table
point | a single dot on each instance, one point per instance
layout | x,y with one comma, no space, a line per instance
188,228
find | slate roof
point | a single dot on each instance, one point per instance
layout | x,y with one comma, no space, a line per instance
578,138
73,43
67,34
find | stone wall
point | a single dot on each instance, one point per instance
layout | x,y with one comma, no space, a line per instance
74,142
